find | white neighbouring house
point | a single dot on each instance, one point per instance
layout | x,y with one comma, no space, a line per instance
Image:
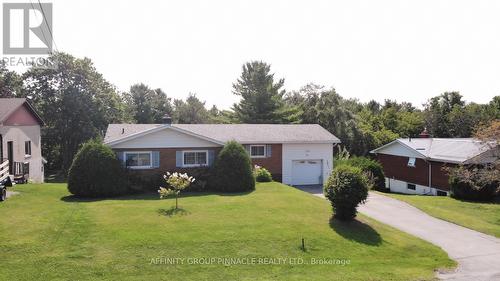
295,154
20,141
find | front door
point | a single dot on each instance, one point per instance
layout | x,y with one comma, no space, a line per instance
10,156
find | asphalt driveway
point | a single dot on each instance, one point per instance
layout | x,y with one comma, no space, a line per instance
477,254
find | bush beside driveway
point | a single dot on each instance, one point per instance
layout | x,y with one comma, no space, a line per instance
52,235
477,253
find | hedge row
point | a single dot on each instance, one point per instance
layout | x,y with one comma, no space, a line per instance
96,172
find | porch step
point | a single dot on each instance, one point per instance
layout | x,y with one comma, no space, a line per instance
12,179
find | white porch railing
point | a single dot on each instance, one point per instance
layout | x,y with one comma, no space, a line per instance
4,170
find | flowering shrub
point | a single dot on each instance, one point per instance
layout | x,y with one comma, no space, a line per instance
262,174
177,182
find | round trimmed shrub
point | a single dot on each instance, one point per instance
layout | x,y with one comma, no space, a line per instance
262,175
370,166
346,188
233,169
96,172
474,184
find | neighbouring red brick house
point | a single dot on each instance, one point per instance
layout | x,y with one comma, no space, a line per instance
415,165
298,154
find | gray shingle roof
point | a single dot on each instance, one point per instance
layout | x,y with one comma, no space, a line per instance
243,133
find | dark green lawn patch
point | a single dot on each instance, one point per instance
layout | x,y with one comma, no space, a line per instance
356,231
47,235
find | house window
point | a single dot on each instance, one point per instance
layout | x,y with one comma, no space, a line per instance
411,162
195,158
441,193
138,160
27,147
257,151
411,186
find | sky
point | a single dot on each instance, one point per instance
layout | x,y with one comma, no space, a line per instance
400,50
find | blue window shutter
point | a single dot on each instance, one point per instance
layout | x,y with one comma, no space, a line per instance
156,159
178,159
269,151
247,148
211,157
119,155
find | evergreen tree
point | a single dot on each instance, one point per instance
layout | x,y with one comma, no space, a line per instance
261,97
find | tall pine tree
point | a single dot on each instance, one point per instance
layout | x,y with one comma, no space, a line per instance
261,97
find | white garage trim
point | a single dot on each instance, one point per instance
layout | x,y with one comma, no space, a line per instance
307,172
292,152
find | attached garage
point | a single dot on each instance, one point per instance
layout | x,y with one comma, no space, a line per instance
307,164
306,172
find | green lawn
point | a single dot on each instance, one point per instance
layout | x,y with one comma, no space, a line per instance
483,217
48,235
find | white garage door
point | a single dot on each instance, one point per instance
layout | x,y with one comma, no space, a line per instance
305,172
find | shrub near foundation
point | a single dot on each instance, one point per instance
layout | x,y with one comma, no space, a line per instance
96,172
233,169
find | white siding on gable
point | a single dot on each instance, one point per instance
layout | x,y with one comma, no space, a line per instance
18,135
398,149
291,152
165,138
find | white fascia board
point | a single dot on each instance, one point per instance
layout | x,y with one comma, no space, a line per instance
403,144
290,142
152,130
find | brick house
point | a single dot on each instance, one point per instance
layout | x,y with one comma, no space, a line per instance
415,165
294,154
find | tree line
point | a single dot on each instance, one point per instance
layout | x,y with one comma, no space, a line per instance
77,103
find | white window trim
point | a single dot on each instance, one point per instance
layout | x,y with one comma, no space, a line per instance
414,162
26,155
137,152
194,165
258,156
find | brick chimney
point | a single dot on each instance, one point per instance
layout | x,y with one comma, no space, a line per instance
167,119
424,134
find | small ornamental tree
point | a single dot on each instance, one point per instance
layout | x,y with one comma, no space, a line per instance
346,188
96,172
233,169
177,182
